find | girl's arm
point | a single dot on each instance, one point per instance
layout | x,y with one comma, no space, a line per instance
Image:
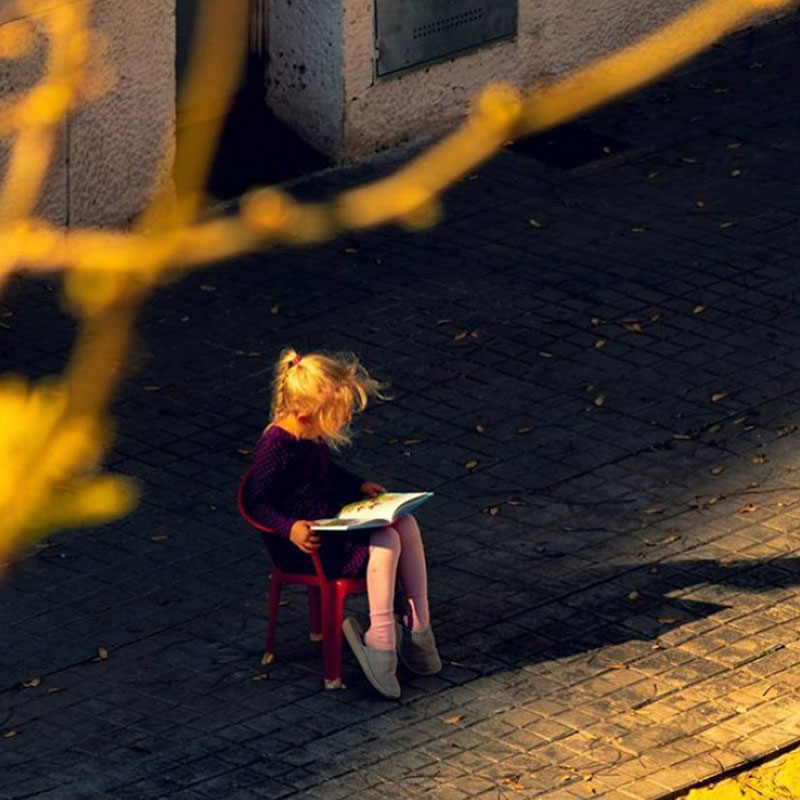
269,463
345,484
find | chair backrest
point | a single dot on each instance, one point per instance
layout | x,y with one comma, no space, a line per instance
250,520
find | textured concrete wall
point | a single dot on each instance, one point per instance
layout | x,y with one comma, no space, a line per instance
553,37
305,78
114,150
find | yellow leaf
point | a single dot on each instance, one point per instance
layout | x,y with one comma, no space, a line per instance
459,336
726,225
747,508
600,343
480,429
634,595
760,458
274,308
655,510
32,683
700,204
524,430
599,400
717,397
494,511
596,321
102,654
471,464
736,173
454,719
718,470
698,309
617,666
535,223
10,734
632,325
160,538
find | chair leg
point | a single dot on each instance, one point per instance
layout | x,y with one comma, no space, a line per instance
272,619
332,618
314,614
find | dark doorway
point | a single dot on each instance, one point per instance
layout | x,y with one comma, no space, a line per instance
255,147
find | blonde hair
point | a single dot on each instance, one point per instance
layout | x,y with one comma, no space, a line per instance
328,387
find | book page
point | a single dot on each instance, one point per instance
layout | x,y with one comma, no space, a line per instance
381,507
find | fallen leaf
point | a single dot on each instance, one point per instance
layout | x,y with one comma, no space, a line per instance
207,287
474,334
724,225
639,230
656,317
747,508
454,719
634,595
599,400
516,503
524,430
700,204
735,173
684,437
760,458
655,510
160,538
545,354
718,470
652,175
494,511
734,145
600,343
512,783
274,308
698,309
480,429
713,500
102,654
32,683
689,160
668,620
459,336
617,666
245,451
535,223
412,441
718,397
443,321
471,464
350,250
184,319
656,646
716,427
632,325
587,776
261,676
785,430
596,321
55,689
152,388
10,734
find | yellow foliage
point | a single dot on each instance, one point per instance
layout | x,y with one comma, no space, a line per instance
53,435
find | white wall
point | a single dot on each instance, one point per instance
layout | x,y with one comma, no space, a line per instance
305,78
111,152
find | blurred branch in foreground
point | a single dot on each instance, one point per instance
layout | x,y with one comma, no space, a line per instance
53,434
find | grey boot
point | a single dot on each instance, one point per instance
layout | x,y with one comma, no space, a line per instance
380,666
418,650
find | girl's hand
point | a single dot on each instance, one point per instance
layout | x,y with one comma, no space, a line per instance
303,537
371,488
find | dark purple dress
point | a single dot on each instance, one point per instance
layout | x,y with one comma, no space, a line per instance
295,479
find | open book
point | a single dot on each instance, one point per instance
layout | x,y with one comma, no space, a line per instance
373,512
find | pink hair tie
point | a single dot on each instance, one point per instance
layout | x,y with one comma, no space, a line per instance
296,361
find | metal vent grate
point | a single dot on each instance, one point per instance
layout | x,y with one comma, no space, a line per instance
412,33
448,22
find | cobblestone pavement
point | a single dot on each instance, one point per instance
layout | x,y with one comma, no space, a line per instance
595,370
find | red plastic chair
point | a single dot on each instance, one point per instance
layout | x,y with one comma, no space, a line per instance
326,598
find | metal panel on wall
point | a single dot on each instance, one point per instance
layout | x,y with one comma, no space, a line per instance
410,33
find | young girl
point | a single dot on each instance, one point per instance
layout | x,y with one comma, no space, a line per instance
294,480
